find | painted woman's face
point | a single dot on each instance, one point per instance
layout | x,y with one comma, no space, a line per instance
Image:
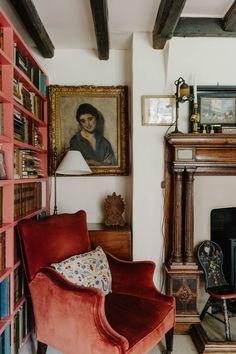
88,122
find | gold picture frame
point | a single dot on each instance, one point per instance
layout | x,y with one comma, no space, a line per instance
110,104
158,110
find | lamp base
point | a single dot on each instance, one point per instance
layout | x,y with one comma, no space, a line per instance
176,131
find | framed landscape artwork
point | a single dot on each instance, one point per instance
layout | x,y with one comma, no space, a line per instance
158,110
217,106
93,120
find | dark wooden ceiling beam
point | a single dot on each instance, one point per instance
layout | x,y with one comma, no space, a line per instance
201,27
229,20
167,18
100,19
30,18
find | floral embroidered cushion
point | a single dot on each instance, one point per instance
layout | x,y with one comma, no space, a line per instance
89,269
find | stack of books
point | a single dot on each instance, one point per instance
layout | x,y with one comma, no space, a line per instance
26,164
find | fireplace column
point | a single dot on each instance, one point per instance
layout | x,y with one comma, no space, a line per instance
189,258
177,254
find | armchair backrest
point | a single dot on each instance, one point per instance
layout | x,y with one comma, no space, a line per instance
210,257
52,239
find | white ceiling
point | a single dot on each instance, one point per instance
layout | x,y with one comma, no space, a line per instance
69,23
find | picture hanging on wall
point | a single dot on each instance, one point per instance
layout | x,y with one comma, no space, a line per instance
217,108
158,110
93,120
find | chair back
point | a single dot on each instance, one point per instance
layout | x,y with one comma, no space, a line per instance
52,239
210,257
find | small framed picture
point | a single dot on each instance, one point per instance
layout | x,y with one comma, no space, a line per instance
217,107
158,110
3,170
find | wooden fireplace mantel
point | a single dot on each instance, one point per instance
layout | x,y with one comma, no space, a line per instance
186,156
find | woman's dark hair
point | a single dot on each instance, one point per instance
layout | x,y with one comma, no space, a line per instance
88,108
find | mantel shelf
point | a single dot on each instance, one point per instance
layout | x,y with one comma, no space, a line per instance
217,139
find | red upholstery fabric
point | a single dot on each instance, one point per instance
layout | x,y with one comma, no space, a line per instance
142,321
53,239
79,320
72,318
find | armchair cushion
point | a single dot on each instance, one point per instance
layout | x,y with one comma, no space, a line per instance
89,269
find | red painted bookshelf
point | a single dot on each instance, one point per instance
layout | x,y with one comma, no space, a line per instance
24,182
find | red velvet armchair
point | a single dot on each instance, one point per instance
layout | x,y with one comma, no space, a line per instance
78,320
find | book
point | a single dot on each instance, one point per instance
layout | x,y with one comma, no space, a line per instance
7,340
4,297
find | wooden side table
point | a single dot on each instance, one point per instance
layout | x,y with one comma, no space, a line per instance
116,240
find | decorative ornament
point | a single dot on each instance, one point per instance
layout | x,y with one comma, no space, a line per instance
114,207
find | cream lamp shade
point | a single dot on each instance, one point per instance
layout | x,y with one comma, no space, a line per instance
73,164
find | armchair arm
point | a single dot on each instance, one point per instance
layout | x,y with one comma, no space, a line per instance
133,277
72,318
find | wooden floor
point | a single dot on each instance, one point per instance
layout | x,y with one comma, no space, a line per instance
209,336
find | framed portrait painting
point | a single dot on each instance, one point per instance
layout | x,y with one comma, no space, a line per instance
93,120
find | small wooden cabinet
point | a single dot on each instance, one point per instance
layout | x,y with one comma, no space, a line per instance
116,240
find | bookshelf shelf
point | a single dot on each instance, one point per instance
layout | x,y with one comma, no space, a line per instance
4,59
5,273
19,304
25,192
4,97
29,115
22,145
3,324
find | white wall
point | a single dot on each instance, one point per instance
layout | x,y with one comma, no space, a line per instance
82,67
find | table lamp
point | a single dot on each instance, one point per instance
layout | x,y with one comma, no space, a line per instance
182,94
72,164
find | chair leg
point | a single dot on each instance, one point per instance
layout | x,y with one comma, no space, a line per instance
226,320
169,341
42,348
206,307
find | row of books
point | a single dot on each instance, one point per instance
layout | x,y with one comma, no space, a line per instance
19,281
5,341
33,72
26,131
28,99
27,198
5,298
21,326
27,164
2,250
